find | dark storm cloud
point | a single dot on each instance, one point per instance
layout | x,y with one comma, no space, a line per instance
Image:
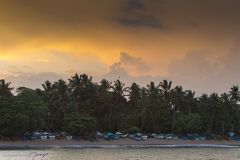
134,14
134,5
30,17
52,18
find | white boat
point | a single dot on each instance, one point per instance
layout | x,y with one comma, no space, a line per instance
52,137
144,137
169,137
43,137
99,134
124,135
158,136
121,135
161,136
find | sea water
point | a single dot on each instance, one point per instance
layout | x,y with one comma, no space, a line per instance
124,154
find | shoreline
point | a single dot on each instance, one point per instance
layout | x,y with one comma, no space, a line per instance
122,143
136,146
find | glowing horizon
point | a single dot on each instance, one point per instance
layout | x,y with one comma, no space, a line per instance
136,40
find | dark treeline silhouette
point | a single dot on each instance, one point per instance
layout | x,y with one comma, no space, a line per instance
80,107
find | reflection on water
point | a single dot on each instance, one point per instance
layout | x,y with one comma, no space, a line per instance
123,154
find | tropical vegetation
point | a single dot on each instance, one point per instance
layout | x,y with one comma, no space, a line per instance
81,107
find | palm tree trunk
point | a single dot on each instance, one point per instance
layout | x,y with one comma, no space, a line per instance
157,121
211,123
142,125
154,127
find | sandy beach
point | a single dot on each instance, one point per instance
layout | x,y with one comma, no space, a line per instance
115,143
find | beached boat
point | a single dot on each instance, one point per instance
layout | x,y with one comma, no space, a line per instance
233,136
99,135
121,135
138,136
158,136
168,137
135,137
64,135
144,137
43,137
52,137
35,135
47,135
110,136
171,137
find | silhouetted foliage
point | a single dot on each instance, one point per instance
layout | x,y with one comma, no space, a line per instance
80,107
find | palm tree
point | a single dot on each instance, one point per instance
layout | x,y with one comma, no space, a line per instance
203,106
106,111
235,97
235,94
47,86
224,112
176,103
143,111
177,98
214,104
134,94
58,103
48,90
61,89
82,87
108,117
105,86
5,89
75,86
151,107
153,91
118,88
165,88
190,100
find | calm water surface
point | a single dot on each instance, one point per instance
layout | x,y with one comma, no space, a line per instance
122,154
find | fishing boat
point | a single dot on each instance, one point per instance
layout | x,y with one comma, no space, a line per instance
135,137
66,136
99,134
52,137
171,136
121,135
158,136
110,136
144,137
35,135
43,137
138,136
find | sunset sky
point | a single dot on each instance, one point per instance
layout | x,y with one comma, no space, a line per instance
195,43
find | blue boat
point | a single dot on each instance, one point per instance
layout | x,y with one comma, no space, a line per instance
138,136
110,136
233,136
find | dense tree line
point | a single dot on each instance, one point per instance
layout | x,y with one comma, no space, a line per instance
81,107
